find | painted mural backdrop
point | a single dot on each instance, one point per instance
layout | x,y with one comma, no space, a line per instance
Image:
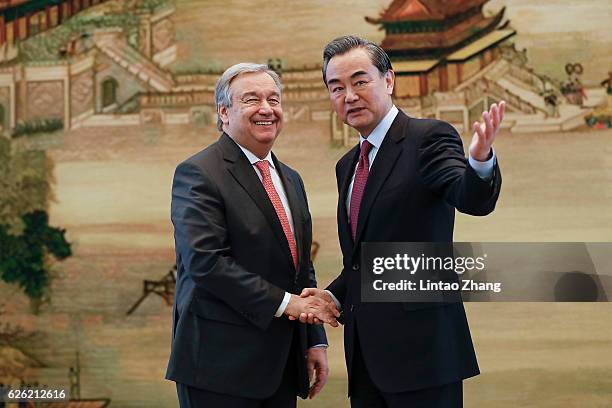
101,99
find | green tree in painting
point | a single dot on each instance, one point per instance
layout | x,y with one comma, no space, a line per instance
27,242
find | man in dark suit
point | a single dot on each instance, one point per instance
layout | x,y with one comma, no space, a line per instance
243,234
402,183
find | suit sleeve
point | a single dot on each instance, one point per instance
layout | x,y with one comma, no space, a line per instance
316,333
338,287
202,242
445,170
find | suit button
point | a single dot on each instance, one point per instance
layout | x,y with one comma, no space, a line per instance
356,267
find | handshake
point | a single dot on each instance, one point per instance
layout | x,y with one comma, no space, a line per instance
313,306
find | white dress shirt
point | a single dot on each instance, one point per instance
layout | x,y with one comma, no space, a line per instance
278,185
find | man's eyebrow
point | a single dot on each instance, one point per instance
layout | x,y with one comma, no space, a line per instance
355,74
358,73
253,93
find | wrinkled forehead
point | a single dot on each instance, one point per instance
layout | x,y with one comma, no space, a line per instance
254,83
351,64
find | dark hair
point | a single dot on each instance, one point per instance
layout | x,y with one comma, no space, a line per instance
344,44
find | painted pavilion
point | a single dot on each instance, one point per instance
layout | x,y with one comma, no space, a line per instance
452,59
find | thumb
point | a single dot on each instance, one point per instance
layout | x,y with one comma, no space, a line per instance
478,132
310,368
306,292
477,138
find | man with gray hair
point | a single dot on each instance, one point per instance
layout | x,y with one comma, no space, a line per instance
242,234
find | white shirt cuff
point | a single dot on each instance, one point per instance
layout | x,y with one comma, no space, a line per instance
283,305
322,345
483,169
338,305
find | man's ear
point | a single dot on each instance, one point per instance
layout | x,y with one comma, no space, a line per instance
390,81
222,112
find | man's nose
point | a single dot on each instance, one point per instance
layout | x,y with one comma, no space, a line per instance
350,95
265,108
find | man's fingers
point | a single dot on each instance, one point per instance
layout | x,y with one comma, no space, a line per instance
494,114
309,318
329,318
322,378
318,358
502,110
332,314
332,322
325,318
484,123
320,311
310,368
488,125
316,388
478,130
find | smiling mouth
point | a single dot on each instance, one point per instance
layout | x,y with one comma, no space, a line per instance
264,123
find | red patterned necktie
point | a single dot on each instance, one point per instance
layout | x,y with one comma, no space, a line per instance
264,168
361,177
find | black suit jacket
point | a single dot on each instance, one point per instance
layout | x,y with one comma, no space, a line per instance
234,266
418,178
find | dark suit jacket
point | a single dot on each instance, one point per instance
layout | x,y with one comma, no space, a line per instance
418,178
234,265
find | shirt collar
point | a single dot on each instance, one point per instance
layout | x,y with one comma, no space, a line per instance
378,134
254,159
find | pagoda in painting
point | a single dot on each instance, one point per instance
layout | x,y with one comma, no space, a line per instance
452,60
436,44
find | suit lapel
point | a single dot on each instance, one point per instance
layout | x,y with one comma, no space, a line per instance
294,206
243,172
344,187
386,158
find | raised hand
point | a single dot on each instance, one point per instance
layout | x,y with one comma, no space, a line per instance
316,307
485,132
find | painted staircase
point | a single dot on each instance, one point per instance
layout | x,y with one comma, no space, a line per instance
114,45
521,88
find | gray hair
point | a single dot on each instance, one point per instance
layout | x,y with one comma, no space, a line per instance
223,90
344,44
